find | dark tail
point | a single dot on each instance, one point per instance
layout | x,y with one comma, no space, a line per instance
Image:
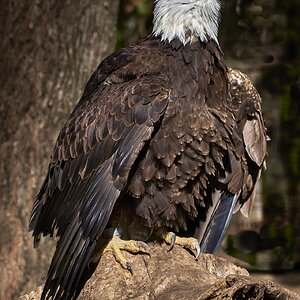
218,222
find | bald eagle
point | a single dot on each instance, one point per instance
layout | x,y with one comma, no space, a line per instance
165,143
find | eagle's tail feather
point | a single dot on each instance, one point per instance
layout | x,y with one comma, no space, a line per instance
218,223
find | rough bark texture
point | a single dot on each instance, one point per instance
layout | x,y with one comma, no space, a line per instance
174,275
48,51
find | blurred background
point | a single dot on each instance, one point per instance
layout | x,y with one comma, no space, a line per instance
50,49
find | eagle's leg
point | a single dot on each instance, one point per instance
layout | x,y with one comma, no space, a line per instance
189,243
111,241
116,244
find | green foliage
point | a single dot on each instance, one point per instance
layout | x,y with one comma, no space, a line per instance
289,234
143,8
135,17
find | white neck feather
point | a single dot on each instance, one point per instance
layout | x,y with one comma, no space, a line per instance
186,20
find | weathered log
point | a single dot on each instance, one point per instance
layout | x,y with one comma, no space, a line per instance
174,275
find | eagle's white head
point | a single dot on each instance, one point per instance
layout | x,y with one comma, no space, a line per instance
186,20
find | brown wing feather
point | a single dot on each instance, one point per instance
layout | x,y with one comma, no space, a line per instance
242,163
90,165
247,109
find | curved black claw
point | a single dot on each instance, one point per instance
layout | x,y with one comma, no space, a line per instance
143,247
129,267
173,241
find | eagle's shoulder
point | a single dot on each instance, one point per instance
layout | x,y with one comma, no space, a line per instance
143,58
127,88
115,116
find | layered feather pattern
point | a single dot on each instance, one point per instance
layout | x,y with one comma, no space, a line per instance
155,143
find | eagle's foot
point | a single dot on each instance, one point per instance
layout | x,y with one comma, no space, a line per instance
189,243
116,244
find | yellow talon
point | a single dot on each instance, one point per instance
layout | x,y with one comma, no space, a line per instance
116,244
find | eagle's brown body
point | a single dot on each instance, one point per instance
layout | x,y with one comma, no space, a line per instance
154,144
191,90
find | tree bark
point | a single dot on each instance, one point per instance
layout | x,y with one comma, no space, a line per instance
174,275
48,51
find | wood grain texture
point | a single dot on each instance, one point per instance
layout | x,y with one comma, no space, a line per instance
174,275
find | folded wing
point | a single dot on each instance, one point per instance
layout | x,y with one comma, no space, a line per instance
236,188
90,165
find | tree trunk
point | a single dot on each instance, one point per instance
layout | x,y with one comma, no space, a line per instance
48,52
174,275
